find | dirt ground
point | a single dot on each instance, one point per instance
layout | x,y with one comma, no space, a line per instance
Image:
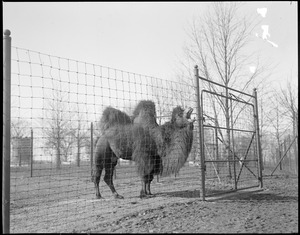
64,201
272,210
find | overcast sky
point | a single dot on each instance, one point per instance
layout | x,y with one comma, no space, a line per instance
140,37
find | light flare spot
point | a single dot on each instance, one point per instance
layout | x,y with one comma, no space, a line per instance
252,69
262,11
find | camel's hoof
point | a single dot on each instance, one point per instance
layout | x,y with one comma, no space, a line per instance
117,196
99,197
146,196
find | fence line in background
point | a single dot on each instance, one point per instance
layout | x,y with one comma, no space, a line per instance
56,106
59,102
286,151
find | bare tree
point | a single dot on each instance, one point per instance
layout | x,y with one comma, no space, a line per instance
169,94
81,135
218,44
162,104
59,130
288,100
19,128
279,129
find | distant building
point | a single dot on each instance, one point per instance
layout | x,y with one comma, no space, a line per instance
20,150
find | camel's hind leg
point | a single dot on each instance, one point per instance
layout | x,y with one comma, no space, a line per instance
109,166
96,179
103,152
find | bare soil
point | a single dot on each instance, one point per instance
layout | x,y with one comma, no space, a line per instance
64,201
272,210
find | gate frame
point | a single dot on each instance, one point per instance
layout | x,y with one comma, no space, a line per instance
201,125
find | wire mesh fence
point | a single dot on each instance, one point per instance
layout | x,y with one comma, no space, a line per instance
284,156
56,109
54,100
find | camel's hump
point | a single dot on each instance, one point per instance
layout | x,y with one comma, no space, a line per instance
145,105
145,113
112,116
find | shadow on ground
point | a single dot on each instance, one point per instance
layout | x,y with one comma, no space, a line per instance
263,195
181,194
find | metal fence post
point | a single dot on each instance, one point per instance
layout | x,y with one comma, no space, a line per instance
92,147
200,132
6,131
78,147
256,124
31,153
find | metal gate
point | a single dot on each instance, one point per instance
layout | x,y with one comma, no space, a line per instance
229,138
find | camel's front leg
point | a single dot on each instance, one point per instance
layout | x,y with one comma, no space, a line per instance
146,181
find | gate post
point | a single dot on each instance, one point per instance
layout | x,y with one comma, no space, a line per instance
92,147
31,152
200,131
258,145
6,131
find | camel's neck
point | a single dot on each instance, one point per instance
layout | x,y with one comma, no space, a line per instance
170,135
175,151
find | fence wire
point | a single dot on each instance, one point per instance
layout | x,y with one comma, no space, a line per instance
286,155
54,100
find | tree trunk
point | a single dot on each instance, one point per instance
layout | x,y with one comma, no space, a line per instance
295,133
20,158
229,155
280,164
58,162
78,151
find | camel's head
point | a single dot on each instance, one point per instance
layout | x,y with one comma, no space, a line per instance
182,117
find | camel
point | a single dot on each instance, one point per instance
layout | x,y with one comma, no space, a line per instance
156,150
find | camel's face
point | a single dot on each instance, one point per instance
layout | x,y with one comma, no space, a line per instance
182,117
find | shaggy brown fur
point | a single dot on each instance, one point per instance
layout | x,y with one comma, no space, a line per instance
174,140
155,149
